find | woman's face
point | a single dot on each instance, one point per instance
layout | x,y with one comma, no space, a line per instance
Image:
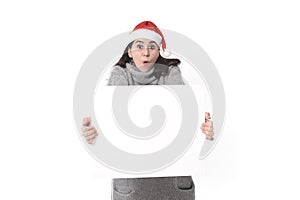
144,53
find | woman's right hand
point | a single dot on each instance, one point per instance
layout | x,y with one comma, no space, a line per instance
207,127
88,131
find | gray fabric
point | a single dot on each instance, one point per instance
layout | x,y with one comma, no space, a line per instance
131,75
160,188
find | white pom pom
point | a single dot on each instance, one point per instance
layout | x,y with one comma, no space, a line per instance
166,53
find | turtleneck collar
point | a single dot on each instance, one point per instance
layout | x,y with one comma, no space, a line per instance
140,77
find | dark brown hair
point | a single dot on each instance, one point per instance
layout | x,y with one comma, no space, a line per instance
160,60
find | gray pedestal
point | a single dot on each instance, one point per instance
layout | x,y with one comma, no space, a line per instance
160,188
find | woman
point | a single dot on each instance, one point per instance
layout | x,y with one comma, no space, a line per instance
142,64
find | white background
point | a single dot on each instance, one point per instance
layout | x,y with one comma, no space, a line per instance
255,46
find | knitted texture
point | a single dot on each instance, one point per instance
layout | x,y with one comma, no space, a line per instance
131,75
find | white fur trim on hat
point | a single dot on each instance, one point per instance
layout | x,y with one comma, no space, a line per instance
145,33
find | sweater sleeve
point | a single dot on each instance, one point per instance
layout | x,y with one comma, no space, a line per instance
117,77
174,77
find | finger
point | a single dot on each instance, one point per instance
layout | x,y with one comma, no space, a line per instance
91,137
86,121
207,124
208,132
88,133
207,116
207,128
91,132
90,141
210,123
87,128
204,128
209,137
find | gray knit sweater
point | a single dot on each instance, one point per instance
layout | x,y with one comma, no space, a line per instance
131,75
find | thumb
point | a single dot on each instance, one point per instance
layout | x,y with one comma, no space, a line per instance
207,116
86,121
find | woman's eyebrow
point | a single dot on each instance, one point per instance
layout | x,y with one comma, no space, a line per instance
151,42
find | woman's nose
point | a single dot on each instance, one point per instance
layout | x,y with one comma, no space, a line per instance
146,51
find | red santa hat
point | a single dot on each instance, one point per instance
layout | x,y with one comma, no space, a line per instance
148,30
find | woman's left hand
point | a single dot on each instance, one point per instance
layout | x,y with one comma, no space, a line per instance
207,127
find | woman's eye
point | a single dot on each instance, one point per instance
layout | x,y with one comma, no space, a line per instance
139,46
152,47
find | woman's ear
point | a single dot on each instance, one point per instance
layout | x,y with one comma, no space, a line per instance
129,53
